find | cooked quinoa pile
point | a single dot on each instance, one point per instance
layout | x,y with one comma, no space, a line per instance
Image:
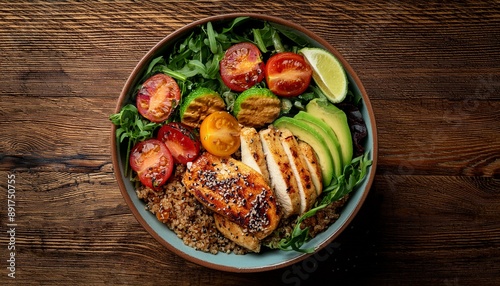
174,206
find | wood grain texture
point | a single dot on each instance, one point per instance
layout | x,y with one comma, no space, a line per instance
432,72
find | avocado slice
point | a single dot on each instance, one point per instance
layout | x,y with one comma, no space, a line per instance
337,120
330,138
311,136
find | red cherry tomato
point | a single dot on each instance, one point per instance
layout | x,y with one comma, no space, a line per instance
242,66
152,161
287,74
180,141
158,97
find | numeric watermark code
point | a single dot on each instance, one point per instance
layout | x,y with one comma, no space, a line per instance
11,225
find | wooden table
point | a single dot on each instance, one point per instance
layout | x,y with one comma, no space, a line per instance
432,72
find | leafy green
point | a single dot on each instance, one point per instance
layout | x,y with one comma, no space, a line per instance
259,41
234,24
212,42
352,175
291,105
133,127
292,35
267,39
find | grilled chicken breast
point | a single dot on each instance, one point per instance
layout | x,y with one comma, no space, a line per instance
251,151
236,233
312,163
280,172
307,190
235,191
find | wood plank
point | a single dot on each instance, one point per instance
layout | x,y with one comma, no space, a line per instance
438,137
66,133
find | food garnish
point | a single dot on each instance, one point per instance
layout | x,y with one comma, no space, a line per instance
328,73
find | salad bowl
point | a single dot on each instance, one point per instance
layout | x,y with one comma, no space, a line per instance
268,259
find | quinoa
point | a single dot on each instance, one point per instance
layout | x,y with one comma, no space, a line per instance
324,217
174,206
192,222
316,224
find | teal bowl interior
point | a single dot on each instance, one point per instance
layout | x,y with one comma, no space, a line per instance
268,259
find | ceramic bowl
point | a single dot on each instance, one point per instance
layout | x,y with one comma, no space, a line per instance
267,260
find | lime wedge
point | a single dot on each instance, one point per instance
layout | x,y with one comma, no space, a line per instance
328,73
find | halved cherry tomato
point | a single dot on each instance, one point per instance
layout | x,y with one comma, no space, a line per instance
158,97
152,161
180,141
220,134
287,74
242,66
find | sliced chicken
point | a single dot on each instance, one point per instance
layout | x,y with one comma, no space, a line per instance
251,151
312,163
307,190
236,233
281,175
235,191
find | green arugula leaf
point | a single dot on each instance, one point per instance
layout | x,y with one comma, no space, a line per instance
258,40
234,23
132,126
154,62
278,45
211,38
291,35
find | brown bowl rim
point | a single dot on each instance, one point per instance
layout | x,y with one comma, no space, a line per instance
181,31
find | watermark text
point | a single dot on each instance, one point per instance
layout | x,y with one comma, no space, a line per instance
11,225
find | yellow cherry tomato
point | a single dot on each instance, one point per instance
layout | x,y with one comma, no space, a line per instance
220,134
